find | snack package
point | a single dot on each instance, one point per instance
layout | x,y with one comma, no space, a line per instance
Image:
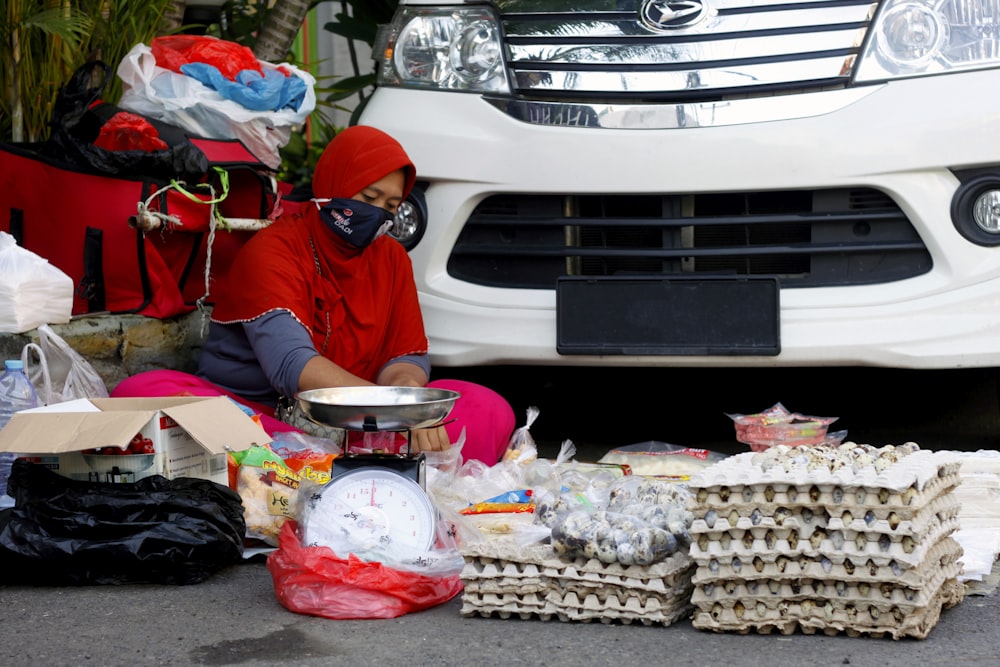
510,502
269,490
309,456
662,460
778,426
522,448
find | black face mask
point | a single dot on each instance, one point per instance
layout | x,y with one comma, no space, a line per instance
356,222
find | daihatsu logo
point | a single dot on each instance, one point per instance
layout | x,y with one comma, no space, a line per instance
666,15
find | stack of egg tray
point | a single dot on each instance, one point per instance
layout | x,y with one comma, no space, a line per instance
859,551
507,580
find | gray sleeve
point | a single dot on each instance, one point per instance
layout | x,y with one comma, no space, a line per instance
421,360
283,346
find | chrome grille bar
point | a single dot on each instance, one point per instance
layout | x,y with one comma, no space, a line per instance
607,49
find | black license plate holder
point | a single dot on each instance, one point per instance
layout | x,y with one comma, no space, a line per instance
677,316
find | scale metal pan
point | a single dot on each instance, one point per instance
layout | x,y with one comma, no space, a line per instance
377,408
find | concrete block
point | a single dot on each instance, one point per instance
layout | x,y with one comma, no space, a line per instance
118,346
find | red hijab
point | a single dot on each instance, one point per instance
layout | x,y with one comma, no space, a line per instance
357,157
359,306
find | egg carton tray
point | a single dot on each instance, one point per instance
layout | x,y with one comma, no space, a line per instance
603,593
804,519
871,570
500,558
918,472
855,620
562,582
917,591
766,500
834,545
506,580
574,607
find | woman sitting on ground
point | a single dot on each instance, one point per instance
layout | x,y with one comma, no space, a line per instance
323,298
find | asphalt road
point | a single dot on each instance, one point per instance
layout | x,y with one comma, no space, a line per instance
234,618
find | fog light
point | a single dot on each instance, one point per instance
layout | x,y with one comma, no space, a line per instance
975,209
986,211
411,219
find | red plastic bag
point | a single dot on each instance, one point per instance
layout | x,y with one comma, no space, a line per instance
230,58
317,582
129,132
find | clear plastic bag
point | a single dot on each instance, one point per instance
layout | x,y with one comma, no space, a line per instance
522,448
634,521
611,537
310,456
368,534
60,373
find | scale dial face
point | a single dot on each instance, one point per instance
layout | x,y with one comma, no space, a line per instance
372,508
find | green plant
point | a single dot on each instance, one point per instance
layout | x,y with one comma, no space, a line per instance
43,42
358,21
300,154
118,26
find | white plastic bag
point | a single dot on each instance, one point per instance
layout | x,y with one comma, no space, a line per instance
187,103
32,291
60,373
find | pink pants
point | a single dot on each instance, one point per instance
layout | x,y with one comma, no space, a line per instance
486,416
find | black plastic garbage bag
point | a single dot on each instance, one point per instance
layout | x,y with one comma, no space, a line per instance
68,532
76,120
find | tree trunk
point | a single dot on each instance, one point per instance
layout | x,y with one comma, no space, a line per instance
280,28
173,18
13,91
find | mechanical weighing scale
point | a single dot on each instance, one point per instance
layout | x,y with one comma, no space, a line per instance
379,499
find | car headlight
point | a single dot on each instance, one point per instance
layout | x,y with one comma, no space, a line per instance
917,37
447,48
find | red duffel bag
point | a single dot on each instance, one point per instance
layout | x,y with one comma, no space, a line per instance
138,231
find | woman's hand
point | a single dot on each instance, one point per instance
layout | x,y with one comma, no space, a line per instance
402,374
410,375
429,439
320,373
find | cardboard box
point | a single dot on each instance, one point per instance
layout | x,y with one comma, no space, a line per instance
190,435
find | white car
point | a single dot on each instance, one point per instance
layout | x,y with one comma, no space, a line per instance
701,182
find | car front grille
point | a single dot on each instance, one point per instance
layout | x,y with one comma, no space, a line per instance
805,238
715,49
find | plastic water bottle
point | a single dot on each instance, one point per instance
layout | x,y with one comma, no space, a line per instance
16,393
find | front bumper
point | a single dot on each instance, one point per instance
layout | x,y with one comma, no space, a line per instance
903,139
